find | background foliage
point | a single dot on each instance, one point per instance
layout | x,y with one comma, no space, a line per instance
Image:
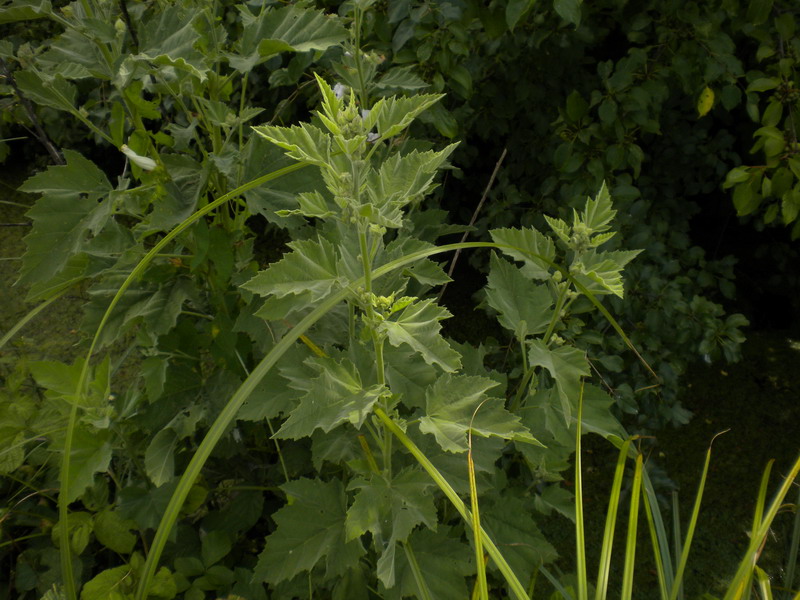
146,109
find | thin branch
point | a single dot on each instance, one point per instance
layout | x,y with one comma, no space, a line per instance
26,104
474,218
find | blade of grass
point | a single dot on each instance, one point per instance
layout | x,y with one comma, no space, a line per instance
676,534
555,582
735,589
758,515
633,522
611,521
480,565
763,583
422,586
29,317
687,544
658,537
794,544
580,539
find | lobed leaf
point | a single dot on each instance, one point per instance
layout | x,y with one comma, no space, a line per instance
528,246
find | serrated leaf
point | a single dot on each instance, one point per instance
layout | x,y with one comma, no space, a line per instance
599,212
309,529
114,532
601,272
303,142
525,307
335,397
55,92
289,28
392,115
510,525
169,39
450,412
390,510
159,458
24,10
529,246
418,327
78,176
566,365
309,268
91,453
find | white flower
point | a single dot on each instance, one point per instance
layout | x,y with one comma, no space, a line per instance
148,164
338,91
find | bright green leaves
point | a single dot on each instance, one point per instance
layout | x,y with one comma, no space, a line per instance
601,272
310,528
454,405
392,115
169,39
523,306
336,396
418,326
303,142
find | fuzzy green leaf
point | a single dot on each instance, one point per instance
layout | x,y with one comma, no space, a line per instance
55,92
159,458
567,365
418,326
528,246
601,272
599,212
302,142
392,115
114,532
310,528
91,453
24,10
169,38
311,267
451,405
525,307
335,397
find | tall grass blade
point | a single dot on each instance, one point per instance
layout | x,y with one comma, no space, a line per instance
556,583
29,317
611,521
758,515
580,537
481,586
676,534
419,579
658,537
633,523
794,544
763,583
687,544
757,537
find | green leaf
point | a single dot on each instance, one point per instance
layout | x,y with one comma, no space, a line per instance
566,364
525,307
290,28
55,92
302,142
214,547
763,84
310,268
456,403
337,396
403,178
62,219
401,78
309,528
418,326
111,584
510,525
601,272
91,453
159,458
443,562
515,10
114,532
24,10
169,39
390,510
528,246
599,212
392,115
569,10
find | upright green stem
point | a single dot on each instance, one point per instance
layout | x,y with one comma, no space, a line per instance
362,92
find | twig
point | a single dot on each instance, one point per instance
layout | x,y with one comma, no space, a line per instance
26,104
474,218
